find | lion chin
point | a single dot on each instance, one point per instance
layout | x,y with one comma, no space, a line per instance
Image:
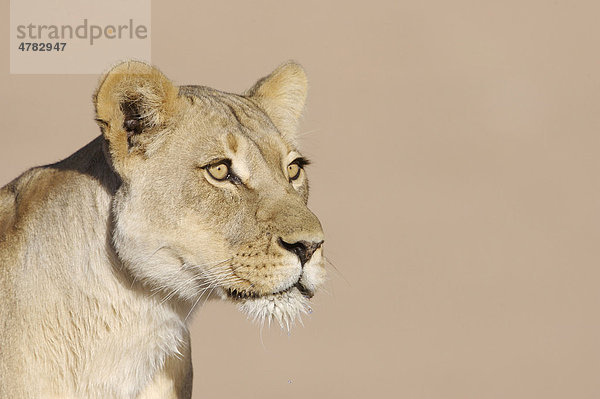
284,307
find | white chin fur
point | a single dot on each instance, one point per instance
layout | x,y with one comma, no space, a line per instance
284,308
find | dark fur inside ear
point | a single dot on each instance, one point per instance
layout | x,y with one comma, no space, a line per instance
132,118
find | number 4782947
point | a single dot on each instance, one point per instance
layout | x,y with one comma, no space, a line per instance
24,46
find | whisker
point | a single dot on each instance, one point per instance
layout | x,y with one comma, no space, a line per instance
210,264
212,274
208,296
307,133
262,325
197,300
178,287
328,261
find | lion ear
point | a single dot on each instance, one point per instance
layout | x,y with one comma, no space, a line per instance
134,101
282,95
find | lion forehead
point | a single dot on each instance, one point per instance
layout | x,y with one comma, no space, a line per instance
219,125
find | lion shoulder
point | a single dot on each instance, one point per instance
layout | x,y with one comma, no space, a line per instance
42,195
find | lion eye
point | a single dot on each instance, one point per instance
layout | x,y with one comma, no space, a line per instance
293,171
218,171
295,167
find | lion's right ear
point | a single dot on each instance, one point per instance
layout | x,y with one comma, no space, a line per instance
134,101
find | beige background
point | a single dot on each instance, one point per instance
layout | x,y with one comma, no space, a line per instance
456,160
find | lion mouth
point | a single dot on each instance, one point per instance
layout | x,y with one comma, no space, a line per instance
239,295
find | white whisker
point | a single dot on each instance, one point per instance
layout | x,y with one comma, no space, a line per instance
307,133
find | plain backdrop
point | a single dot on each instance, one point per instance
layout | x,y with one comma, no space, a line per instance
456,160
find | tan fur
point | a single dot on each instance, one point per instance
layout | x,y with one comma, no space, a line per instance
104,255
282,95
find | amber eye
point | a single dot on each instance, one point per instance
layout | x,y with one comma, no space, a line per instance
218,171
293,170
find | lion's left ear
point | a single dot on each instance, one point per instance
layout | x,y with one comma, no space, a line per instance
134,101
282,95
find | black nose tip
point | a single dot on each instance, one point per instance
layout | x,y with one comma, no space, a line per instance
304,250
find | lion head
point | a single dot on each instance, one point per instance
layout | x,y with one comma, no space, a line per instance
213,199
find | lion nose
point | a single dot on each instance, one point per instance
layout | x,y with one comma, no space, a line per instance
304,250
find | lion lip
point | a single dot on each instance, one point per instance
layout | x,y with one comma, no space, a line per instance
303,290
241,295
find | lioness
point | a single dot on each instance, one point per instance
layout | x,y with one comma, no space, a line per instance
189,193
